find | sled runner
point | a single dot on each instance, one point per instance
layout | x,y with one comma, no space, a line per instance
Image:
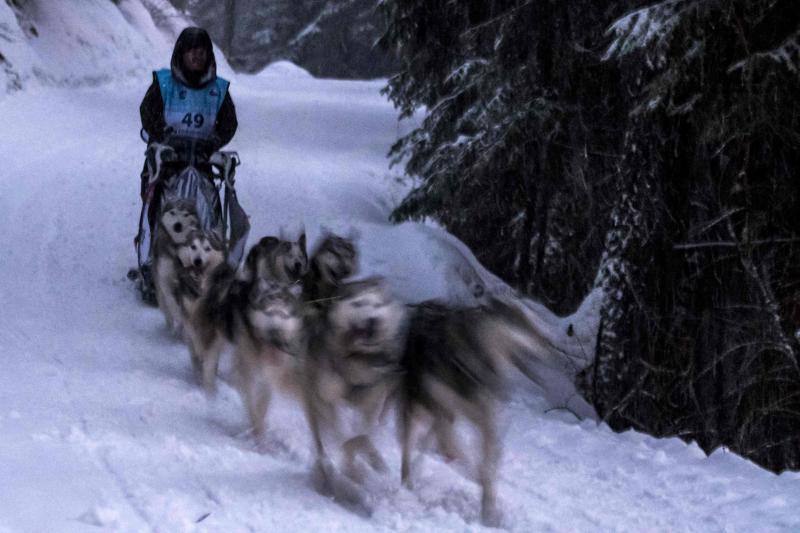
181,170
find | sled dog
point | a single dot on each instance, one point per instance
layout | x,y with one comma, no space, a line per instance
210,322
268,339
454,365
199,255
178,219
353,360
262,320
278,260
334,260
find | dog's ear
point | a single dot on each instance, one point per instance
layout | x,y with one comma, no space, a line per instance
266,241
302,240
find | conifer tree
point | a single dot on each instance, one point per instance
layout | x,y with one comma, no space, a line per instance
661,145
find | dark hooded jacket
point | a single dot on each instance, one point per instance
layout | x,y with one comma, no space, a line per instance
152,108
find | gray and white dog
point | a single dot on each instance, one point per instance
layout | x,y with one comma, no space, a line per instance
177,221
210,325
221,317
200,254
455,364
262,320
353,360
268,335
275,259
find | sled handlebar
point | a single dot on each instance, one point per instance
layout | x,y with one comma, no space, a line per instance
191,152
225,164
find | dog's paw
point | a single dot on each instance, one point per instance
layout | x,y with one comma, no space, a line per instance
491,516
377,463
197,369
210,390
357,472
328,481
266,444
321,475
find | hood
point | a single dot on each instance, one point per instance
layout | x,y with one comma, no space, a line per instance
190,38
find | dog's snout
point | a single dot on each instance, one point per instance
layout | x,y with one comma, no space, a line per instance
371,326
177,227
198,262
274,335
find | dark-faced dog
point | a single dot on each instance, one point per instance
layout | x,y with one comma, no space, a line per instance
334,260
263,321
274,259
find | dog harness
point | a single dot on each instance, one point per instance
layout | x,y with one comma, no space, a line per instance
191,112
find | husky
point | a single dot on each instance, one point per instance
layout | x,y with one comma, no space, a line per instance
275,259
262,320
220,310
353,360
268,339
334,260
210,322
455,364
178,219
200,254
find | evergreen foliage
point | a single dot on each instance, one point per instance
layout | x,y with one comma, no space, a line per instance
657,140
329,38
518,150
709,310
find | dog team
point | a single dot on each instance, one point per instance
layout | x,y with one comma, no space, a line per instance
303,324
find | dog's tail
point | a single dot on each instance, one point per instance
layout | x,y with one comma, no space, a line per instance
541,361
536,343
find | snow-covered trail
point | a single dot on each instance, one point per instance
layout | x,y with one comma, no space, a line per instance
101,424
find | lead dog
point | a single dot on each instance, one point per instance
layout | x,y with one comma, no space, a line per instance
353,360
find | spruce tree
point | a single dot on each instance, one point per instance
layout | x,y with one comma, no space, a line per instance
661,146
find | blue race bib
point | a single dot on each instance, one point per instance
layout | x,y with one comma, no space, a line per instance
191,112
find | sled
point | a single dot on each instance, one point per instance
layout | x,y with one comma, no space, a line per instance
227,218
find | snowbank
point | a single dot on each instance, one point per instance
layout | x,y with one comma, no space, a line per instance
61,44
283,69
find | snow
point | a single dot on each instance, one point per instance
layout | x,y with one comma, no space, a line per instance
283,69
95,43
58,50
102,427
642,27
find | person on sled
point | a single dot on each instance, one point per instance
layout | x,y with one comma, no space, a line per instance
190,109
